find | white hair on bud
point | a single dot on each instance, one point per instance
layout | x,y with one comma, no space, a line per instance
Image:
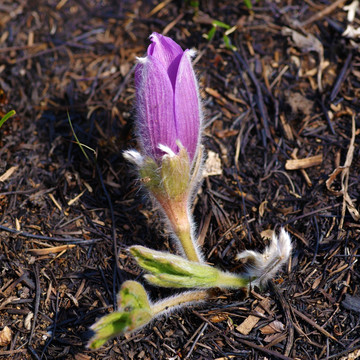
166,150
134,157
263,266
142,60
191,53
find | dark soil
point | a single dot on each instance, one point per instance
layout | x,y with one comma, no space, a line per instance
265,104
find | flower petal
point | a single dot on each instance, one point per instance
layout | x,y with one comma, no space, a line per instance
168,52
156,122
187,106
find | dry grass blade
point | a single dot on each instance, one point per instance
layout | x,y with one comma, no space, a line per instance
52,250
344,171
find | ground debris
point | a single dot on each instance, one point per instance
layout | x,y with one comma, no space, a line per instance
270,99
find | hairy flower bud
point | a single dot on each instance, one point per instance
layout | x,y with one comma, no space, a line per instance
167,99
169,129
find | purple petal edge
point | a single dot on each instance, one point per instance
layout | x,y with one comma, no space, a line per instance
187,106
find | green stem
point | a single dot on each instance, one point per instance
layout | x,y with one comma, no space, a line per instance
228,280
188,244
179,217
177,300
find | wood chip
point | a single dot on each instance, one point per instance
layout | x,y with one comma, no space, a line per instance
5,336
305,163
286,127
27,321
250,322
275,326
8,173
212,165
76,198
352,356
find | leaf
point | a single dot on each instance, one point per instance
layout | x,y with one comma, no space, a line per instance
211,33
6,117
108,327
132,296
134,312
169,270
220,24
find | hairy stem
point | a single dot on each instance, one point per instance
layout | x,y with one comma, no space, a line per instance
186,297
188,244
180,221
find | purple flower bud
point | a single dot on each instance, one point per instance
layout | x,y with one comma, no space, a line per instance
168,105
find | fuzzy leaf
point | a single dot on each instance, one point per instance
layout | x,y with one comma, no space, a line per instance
133,296
134,311
174,271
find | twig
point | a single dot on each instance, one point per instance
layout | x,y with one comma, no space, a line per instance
259,99
49,238
324,12
316,326
341,78
344,352
33,352
37,301
196,340
126,80
311,213
53,331
273,353
289,322
11,352
317,240
325,111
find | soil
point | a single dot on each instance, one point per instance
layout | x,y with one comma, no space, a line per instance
284,89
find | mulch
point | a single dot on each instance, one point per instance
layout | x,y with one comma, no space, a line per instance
285,90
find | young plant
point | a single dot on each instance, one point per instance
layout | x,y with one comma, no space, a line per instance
169,121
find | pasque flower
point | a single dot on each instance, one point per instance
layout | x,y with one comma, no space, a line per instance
167,100
168,122
169,129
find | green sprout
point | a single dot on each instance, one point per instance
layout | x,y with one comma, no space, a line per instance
248,4
216,24
6,117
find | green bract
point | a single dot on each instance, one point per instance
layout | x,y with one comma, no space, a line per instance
168,270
